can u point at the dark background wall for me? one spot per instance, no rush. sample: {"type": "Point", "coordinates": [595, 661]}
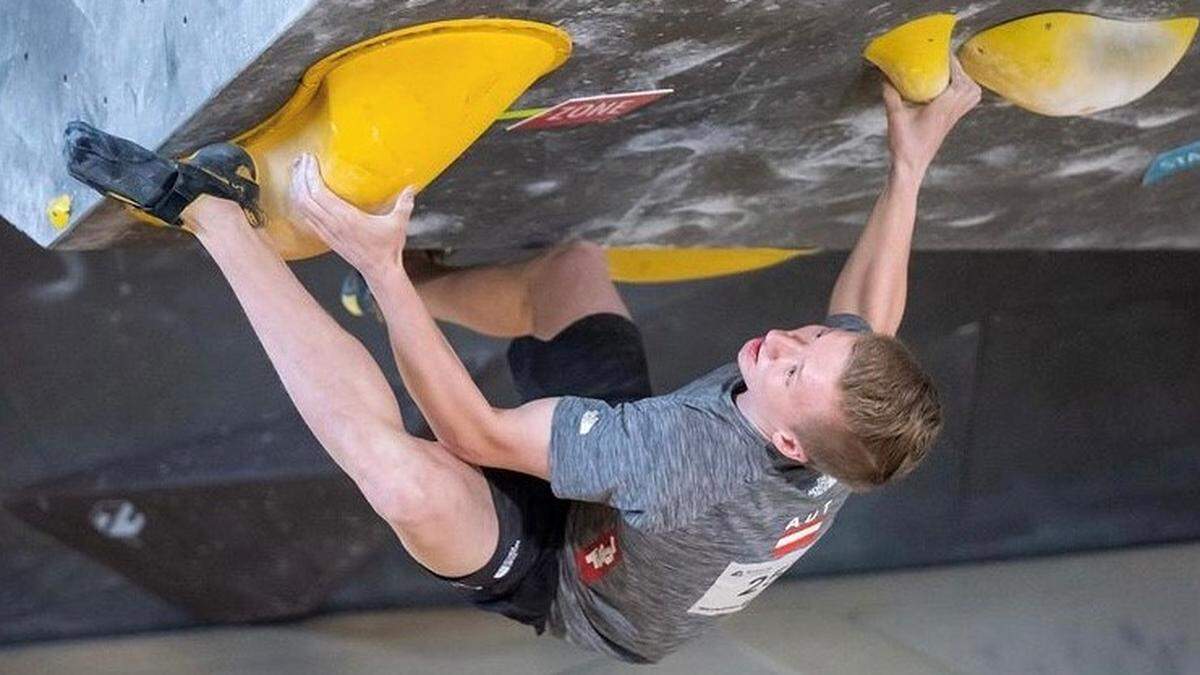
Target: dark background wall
{"type": "Point", "coordinates": [1071, 382]}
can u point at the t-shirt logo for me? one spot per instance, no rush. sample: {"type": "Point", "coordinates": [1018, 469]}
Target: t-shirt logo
{"type": "Point", "coordinates": [799, 534]}
{"type": "Point", "coordinates": [509, 559]}
{"type": "Point", "coordinates": [820, 486]}
{"type": "Point", "coordinates": [587, 421]}
{"type": "Point", "coordinates": [597, 558]}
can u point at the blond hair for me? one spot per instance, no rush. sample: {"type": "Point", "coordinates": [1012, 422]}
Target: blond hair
{"type": "Point", "coordinates": [890, 413]}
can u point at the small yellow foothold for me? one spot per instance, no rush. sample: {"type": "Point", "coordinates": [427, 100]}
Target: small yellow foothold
{"type": "Point", "coordinates": [915, 56]}
{"type": "Point", "coordinates": [350, 302]}
{"type": "Point", "coordinates": [59, 211]}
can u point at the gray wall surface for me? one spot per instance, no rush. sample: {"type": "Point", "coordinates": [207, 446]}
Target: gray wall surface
{"type": "Point", "coordinates": [137, 68]}
{"type": "Point", "coordinates": [774, 136]}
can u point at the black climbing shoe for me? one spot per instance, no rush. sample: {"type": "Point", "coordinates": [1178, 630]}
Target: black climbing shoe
{"type": "Point", "coordinates": [161, 187]}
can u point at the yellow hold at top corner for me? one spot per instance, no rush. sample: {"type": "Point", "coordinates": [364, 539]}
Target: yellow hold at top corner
{"type": "Point", "coordinates": [1068, 63]}
{"type": "Point", "coordinates": [396, 110]}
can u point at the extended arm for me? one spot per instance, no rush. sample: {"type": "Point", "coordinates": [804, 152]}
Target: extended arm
{"type": "Point", "coordinates": [456, 410]}
{"type": "Point", "coordinates": [874, 282]}
{"type": "Point", "coordinates": [464, 421]}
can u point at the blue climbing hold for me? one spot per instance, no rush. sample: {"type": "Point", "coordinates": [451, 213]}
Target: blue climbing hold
{"type": "Point", "coordinates": [1173, 162]}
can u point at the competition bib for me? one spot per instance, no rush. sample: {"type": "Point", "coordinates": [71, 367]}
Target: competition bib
{"type": "Point", "coordinates": [740, 583]}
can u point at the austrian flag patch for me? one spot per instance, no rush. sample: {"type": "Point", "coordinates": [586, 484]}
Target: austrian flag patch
{"type": "Point", "coordinates": [797, 536]}
{"type": "Point", "coordinates": [597, 558]}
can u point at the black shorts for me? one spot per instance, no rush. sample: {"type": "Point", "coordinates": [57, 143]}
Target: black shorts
{"type": "Point", "coordinates": [599, 356]}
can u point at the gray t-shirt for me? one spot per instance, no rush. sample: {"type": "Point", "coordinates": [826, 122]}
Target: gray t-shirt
{"type": "Point", "coordinates": [684, 513]}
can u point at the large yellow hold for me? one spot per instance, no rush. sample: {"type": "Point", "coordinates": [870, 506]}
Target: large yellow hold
{"type": "Point", "coordinates": [1064, 63]}
{"type": "Point", "coordinates": [395, 111]}
{"type": "Point", "coordinates": [644, 265]}
{"type": "Point", "coordinates": [915, 56]}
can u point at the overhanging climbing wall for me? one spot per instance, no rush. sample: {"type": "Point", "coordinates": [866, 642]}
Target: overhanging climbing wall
{"type": "Point", "coordinates": [773, 137]}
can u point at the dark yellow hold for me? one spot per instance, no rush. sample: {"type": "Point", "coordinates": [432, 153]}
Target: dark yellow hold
{"type": "Point", "coordinates": [915, 56]}
{"type": "Point", "coordinates": [396, 110]}
{"type": "Point", "coordinates": [645, 265]}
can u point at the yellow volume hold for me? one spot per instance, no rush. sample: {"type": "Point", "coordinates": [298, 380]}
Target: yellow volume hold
{"type": "Point", "coordinates": [915, 56]}
{"type": "Point", "coordinates": [644, 265]}
{"type": "Point", "coordinates": [1066, 63]}
{"type": "Point", "coordinates": [396, 110]}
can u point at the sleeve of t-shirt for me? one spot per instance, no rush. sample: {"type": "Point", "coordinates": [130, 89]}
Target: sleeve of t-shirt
{"type": "Point", "coordinates": [851, 322]}
{"type": "Point", "coordinates": [659, 464]}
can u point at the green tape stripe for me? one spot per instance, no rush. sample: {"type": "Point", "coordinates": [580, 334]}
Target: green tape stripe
{"type": "Point", "coordinates": [520, 114]}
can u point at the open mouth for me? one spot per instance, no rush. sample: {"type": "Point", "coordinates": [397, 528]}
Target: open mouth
{"type": "Point", "coordinates": [753, 347]}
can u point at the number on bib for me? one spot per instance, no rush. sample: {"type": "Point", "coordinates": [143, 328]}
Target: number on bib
{"type": "Point", "coordinates": [739, 584]}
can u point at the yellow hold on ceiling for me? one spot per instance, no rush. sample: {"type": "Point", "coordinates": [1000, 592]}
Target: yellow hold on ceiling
{"type": "Point", "coordinates": [396, 110]}
{"type": "Point", "coordinates": [915, 56]}
{"type": "Point", "coordinates": [638, 265]}
{"type": "Point", "coordinates": [1066, 63]}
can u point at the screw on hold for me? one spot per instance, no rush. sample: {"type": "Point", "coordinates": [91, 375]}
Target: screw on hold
{"type": "Point", "coordinates": [59, 211]}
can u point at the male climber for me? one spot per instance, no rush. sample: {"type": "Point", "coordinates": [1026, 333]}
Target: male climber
{"type": "Point", "coordinates": [625, 522]}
